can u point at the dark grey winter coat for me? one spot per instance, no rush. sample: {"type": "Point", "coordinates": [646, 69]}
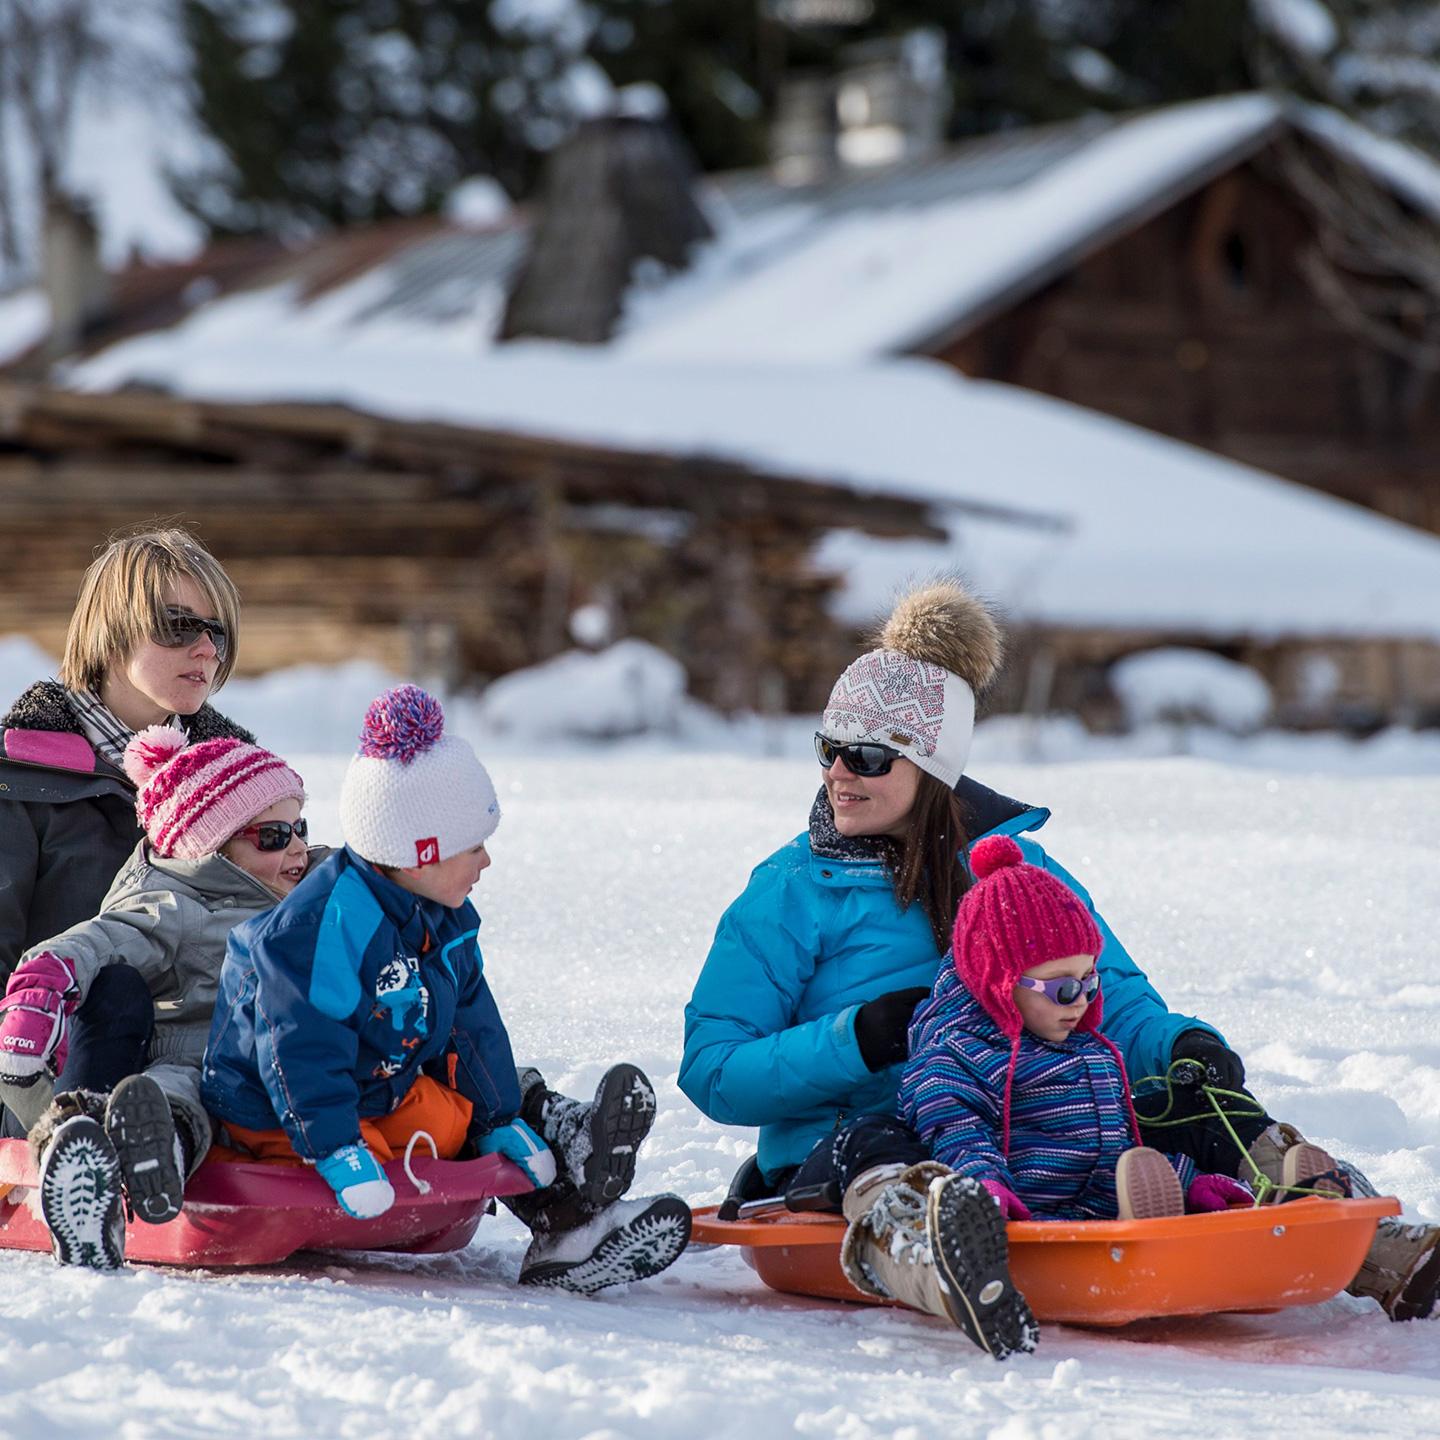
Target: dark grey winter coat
{"type": "Point", "coordinates": [64, 831]}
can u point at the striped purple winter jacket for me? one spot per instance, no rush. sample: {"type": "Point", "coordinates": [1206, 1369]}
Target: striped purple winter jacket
{"type": "Point", "coordinates": [1069, 1119]}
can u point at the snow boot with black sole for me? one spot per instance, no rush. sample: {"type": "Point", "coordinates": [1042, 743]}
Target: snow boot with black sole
{"type": "Point", "coordinates": [596, 1140]}
{"type": "Point", "coordinates": [141, 1126]}
{"type": "Point", "coordinates": [80, 1195]}
{"type": "Point", "coordinates": [972, 1262]}
{"type": "Point", "coordinates": [631, 1240]}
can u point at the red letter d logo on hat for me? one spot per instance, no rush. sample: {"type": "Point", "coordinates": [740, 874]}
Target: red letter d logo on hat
{"type": "Point", "coordinates": [427, 852]}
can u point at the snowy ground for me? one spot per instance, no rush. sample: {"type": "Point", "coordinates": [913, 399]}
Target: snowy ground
{"type": "Point", "coordinates": [1297, 913]}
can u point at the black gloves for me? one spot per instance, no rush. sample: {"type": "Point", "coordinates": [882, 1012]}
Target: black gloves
{"type": "Point", "coordinates": [881, 1025]}
{"type": "Point", "coordinates": [1223, 1068]}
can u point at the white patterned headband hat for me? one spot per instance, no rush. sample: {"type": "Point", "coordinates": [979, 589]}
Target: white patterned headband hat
{"type": "Point", "coordinates": [414, 796]}
{"type": "Point", "coordinates": [916, 693]}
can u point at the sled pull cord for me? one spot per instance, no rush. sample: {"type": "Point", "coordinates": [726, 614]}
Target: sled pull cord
{"type": "Point", "coordinates": [422, 1186]}
{"type": "Point", "coordinates": [1258, 1181]}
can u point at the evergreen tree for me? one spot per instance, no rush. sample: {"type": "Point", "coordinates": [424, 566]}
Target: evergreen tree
{"type": "Point", "coordinates": [328, 111]}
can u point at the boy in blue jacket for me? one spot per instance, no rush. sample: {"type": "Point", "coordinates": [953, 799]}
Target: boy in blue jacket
{"type": "Point", "coordinates": [357, 1013]}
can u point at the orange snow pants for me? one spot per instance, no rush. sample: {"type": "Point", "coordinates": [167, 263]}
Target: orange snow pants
{"type": "Point", "coordinates": [441, 1112]}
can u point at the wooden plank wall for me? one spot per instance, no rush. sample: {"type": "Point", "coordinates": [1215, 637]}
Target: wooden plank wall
{"type": "Point", "coordinates": [436, 551]}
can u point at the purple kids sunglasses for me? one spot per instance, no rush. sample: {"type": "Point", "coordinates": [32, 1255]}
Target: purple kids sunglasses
{"type": "Point", "coordinates": [1066, 990]}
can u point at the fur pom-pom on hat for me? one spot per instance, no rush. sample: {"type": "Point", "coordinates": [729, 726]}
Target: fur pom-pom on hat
{"type": "Point", "coordinates": [413, 795]}
{"type": "Point", "coordinates": [191, 799]}
{"type": "Point", "coordinates": [916, 693]}
{"type": "Point", "coordinates": [945, 625]}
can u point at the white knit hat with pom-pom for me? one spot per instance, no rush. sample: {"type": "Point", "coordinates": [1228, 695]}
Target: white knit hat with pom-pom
{"type": "Point", "coordinates": [414, 795]}
{"type": "Point", "coordinates": [192, 798]}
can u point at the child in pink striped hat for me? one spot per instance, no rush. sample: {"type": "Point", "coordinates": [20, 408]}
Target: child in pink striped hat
{"type": "Point", "coordinates": [224, 840]}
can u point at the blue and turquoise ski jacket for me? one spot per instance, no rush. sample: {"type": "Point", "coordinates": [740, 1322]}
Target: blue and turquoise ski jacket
{"type": "Point", "coordinates": [332, 1004]}
{"type": "Point", "coordinates": [770, 1027]}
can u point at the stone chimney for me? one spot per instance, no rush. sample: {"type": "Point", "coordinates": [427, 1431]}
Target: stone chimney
{"type": "Point", "coordinates": [617, 194]}
{"type": "Point", "coordinates": [75, 282]}
{"type": "Point", "coordinates": [892, 99]}
{"type": "Point", "coordinates": [805, 130]}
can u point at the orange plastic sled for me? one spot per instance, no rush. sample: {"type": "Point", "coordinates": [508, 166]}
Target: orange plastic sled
{"type": "Point", "coordinates": [1108, 1272]}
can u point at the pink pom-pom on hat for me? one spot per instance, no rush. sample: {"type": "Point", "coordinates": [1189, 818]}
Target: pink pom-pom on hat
{"type": "Point", "coordinates": [191, 799]}
{"type": "Point", "coordinates": [152, 747]}
{"type": "Point", "coordinates": [993, 853]}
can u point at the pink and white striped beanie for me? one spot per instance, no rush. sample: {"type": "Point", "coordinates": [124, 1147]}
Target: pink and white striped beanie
{"type": "Point", "coordinates": [193, 798]}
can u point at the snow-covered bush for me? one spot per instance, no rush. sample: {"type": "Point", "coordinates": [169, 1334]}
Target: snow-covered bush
{"type": "Point", "coordinates": [631, 688]}
{"type": "Point", "coordinates": [1183, 686]}
{"type": "Point", "coordinates": [22, 663]}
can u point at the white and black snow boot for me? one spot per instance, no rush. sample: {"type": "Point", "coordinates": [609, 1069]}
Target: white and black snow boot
{"type": "Point", "coordinates": [631, 1240]}
{"type": "Point", "coordinates": [972, 1263]}
{"type": "Point", "coordinates": [596, 1141]}
{"type": "Point", "coordinates": [935, 1242]}
{"type": "Point", "coordinates": [80, 1195]}
{"type": "Point", "coordinates": [141, 1126]}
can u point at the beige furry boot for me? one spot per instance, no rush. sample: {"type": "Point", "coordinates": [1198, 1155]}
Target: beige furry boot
{"type": "Point", "coordinates": [935, 1242]}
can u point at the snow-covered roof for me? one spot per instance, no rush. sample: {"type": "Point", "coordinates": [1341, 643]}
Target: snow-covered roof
{"type": "Point", "coordinates": [1124, 528]}
{"type": "Point", "coordinates": [884, 279]}
{"type": "Point", "coordinates": [861, 264]}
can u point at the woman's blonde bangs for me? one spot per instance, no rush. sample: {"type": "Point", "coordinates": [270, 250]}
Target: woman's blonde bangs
{"type": "Point", "coordinates": [122, 602]}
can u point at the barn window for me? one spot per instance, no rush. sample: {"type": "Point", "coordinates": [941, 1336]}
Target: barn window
{"type": "Point", "coordinates": [1235, 261]}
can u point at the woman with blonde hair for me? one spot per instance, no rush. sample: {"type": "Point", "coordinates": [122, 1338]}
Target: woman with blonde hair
{"type": "Point", "coordinates": [153, 634]}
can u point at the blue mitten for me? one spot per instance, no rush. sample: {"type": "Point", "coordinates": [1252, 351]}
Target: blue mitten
{"type": "Point", "coordinates": [518, 1143]}
{"type": "Point", "coordinates": [359, 1183]}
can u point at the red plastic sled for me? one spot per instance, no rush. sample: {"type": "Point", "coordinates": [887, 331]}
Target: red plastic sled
{"type": "Point", "coordinates": [1109, 1272]}
{"type": "Point", "coordinates": [261, 1214]}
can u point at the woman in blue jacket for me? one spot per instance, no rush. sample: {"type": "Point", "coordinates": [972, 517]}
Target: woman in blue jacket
{"type": "Point", "coordinates": [798, 1020]}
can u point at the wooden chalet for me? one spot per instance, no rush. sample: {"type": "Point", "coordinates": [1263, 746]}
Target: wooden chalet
{"type": "Point", "coordinates": [1203, 322]}
{"type": "Point", "coordinates": [1160, 268]}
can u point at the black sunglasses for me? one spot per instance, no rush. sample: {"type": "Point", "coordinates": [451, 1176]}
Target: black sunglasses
{"type": "Point", "coordinates": [183, 628]}
{"type": "Point", "coordinates": [865, 761]}
{"type": "Point", "coordinates": [275, 834]}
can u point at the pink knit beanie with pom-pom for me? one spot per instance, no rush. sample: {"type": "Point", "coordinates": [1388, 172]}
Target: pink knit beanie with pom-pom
{"type": "Point", "coordinates": [414, 795]}
{"type": "Point", "coordinates": [1013, 917]}
{"type": "Point", "coordinates": [192, 798]}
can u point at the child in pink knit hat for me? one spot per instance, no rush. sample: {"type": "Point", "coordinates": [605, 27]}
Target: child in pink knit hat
{"type": "Point", "coordinates": [1010, 1079]}
{"type": "Point", "coordinates": [224, 840]}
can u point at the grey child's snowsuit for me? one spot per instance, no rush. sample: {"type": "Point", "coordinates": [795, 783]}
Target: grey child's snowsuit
{"type": "Point", "coordinates": [168, 919]}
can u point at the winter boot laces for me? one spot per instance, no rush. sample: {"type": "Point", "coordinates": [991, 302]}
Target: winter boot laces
{"type": "Point", "coordinates": [1284, 1156]}
{"type": "Point", "coordinates": [936, 1242]}
{"type": "Point", "coordinates": [142, 1129]}
{"type": "Point", "coordinates": [631, 1240]}
{"type": "Point", "coordinates": [597, 1141]}
{"type": "Point", "coordinates": [80, 1195]}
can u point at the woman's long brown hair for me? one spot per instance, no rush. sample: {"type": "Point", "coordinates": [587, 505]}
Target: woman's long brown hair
{"type": "Point", "coordinates": [925, 866]}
